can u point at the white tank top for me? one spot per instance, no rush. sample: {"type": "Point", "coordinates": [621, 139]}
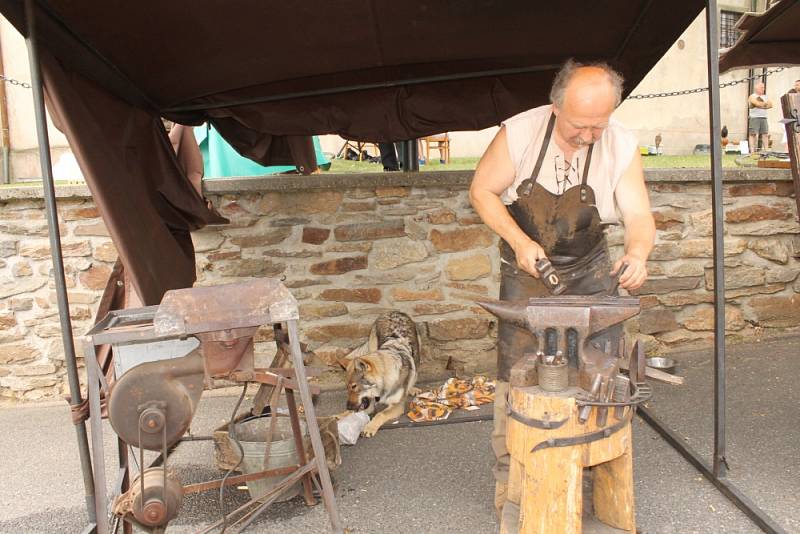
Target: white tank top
{"type": "Point", "coordinates": [611, 157]}
{"type": "Point", "coordinates": [758, 112]}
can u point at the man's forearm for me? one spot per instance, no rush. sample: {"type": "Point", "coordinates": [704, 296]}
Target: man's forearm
{"type": "Point", "coordinates": [640, 235]}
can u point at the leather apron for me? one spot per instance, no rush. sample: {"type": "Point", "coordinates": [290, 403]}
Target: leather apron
{"type": "Point", "coordinates": [569, 229]}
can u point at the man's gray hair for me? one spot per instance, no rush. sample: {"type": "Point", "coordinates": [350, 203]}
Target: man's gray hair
{"type": "Point", "coordinates": [564, 76]}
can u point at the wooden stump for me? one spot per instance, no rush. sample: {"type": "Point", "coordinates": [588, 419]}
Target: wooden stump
{"type": "Point", "coordinates": [547, 482]}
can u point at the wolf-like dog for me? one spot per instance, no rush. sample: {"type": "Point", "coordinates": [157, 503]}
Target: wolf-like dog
{"type": "Point", "coordinates": [382, 372]}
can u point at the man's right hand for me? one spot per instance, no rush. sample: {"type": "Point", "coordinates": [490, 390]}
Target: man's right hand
{"type": "Point", "coordinates": [528, 254]}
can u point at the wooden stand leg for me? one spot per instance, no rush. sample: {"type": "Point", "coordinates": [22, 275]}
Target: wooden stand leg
{"type": "Point", "coordinates": [516, 472]}
{"type": "Point", "coordinates": [613, 491]}
{"type": "Point", "coordinates": [553, 492]}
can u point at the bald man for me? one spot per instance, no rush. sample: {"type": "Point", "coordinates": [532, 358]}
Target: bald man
{"type": "Point", "coordinates": [757, 126]}
{"type": "Point", "coordinates": [550, 182]}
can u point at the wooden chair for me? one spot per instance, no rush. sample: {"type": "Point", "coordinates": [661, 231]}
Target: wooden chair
{"type": "Point", "coordinates": [360, 148]}
{"type": "Point", "coordinates": [440, 142]}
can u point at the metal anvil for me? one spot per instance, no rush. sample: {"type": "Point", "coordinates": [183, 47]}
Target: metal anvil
{"type": "Point", "coordinates": [576, 320]}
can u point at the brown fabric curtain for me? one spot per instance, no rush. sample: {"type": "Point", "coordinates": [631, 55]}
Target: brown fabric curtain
{"type": "Point", "coordinates": [144, 197]}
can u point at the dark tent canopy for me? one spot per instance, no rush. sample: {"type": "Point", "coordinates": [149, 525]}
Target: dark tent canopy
{"type": "Point", "coordinates": [769, 38]}
{"type": "Point", "coordinates": [268, 73]}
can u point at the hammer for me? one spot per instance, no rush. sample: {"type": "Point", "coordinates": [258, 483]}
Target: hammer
{"type": "Point", "coordinates": [550, 277]}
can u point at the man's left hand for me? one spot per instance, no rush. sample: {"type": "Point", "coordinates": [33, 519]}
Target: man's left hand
{"type": "Point", "coordinates": [635, 274]}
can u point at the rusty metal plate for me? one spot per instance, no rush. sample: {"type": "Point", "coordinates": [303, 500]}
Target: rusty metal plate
{"type": "Point", "coordinates": [205, 309]}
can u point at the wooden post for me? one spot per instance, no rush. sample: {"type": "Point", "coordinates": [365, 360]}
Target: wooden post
{"type": "Point", "coordinates": [550, 477]}
{"type": "Point", "coordinates": [790, 103]}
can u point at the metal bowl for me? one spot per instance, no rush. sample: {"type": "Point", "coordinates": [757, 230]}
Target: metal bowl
{"type": "Point", "coordinates": [661, 363]}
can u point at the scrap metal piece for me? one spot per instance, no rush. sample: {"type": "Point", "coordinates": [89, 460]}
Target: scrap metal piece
{"type": "Point", "coordinates": [205, 309]}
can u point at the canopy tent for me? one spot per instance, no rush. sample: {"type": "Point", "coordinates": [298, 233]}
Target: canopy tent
{"type": "Point", "coordinates": [769, 38]}
{"type": "Point", "coordinates": [266, 73]}
{"type": "Point", "coordinates": [365, 69]}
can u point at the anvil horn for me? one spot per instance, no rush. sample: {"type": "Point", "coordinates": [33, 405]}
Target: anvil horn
{"type": "Point", "coordinates": [512, 311]}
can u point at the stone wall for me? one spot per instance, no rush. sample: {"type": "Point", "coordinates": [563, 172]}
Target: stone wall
{"type": "Point", "coordinates": [351, 247]}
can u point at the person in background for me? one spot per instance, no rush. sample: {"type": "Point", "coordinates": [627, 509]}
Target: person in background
{"type": "Point", "coordinates": [757, 126]}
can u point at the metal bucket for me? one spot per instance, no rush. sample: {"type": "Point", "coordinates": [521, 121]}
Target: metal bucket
{"type": "Point", "coordinates": [252, 436]}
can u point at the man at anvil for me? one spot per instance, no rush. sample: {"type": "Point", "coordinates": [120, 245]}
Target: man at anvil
{"type": "Point", "coordinates": [550, 181]}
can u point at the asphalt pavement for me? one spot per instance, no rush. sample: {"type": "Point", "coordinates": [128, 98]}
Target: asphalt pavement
{"type": "Point", "coordinates": [438, 479]}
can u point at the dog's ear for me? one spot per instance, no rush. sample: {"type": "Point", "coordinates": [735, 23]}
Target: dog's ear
{"type": "Point", "coordinates": [344, 361]}
{"type": "Point", "coordinates": [363, 365]}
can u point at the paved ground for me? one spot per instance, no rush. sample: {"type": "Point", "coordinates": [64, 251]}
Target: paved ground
{"type": "Point", "coordinates": [437, 479]}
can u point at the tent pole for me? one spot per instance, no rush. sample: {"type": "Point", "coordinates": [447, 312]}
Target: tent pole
{"type": "Point", "coordinates": [716, 473]}
{"type": "Point", "coordinates": [55, 250]}
{"type": "Point", "coordinates": [719, 464]}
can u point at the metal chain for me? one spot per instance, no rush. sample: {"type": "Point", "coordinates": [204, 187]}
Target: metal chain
{"type": "Point", "coordinates": [12, 81]}
{"type": "Point", "coordinates": [702, 89]}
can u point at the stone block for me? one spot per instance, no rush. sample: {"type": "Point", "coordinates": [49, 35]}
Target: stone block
{"type": "Point", "coordinates": [682, 298]}
{"type": "Point", "coordinates": [702, 222]}
{"type": "Point", "coordinates": [441, 216]}
{"type": "Point", "coordinates": [315, 236]}
{"type": "Point", "coordinates": [83, 212]}
{"type": "Point", "coordinates": [703, 319]}
{"type": "Point", "coordinates": [665, 251]}
{"type": "Point", "coordinates": [370, 231]}
{"type": "Point", "coordinates": [436, 308]}
{"type": "Point", "coordinates": [656, 286]}
{"type": "Point", "coordinates": [772, 249]}
{"type": "Point", "coordinates": [760, 189]}
{"type": "Point", "coordinates": [358, 206]}
{"type": "Point", "coordinates": [469, 219]}
{"type": "Point", "coordinates": [667, 219]}
{"type": "Point", "coordinates": [782, 275]}
{"type": "Point", "coordinates": [207, 240]}
{"type": "Point", "coordinates": [8, 248]}
{"type": "Point", "coordinates": [21, 304]}
{"type": "Point", "coordinates": [21, 268]}
{"type": "Point", "coordinates": [738, 277]}
{"type": "Point", "coordinates": [250, 267]}
{"type": "Point", "coordinates": [328, 333]}
{"type": "Point", "coordinates": [404, 294]}
{"type": "Point", "coordinates": [393, 253]}
{"type": "Point", "coordinates": [7, 320]}
{"type": "Point", "coordinates": [96, 277]}
{"type": "Point", "coordinates": [388, 192]}
{"type": "Point", "coordinates": [10, 288]}
{"type": "Point", "coordinates": [350, 246]}
{"type": "Point", "coordinates": [289, 221]}
{"type": "Point", "coordinates": [224, 255]}
{"type": "Point", "coordinates": [655, 320]}
{"type": "Point", "coordinates": [303, 202]}
{"type": "Point", "coordinates": [105, 252]}
{"type": "Point", "coordinates": [92, 229]}
{"type": "Point", "coordinates": [18, 353]}
{"type": "Point", "coordinates": [321, 311]}
{"type": "Point", "coordinates": [339, 265]}
{"type": "Point", "coordinates": [758, 212]}
{"type": "Point", "coordinates": [731, 294]}
{"type": "Point", "coordinates": [455, 329]}
{"type": "Point", "coordinates": [760, 228]}
{"type": "Point", "coordinates": [369, 295]}
{"type": "Point", "coordinates": [469, 268]}
{"type": "Point", "coordinates": [262, 238]}
{"type": "Point", "coordinates": [461, 239]}
{"type": "Point", "coordinates": [704, 248]}
{"type": "Point", "coordinates": [776, 311]}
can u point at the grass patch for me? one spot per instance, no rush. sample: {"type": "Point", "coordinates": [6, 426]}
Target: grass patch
{"type": "Point", "coordinates": [468, 164]}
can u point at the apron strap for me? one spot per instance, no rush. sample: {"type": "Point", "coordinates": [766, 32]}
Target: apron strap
{"type": "Point", "coordinates": [585, 177]}
{"type": "Point", "coordinates": [545, 143]}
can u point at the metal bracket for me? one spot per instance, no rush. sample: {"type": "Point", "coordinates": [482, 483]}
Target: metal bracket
{"type": "Point", "coordinates": [584, 438]}
{"type": "Point", "coordinates": [530, 421]}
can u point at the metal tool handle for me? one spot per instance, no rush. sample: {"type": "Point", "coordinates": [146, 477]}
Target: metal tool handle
{"type": "Point", "coordinates": [617, 276]}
